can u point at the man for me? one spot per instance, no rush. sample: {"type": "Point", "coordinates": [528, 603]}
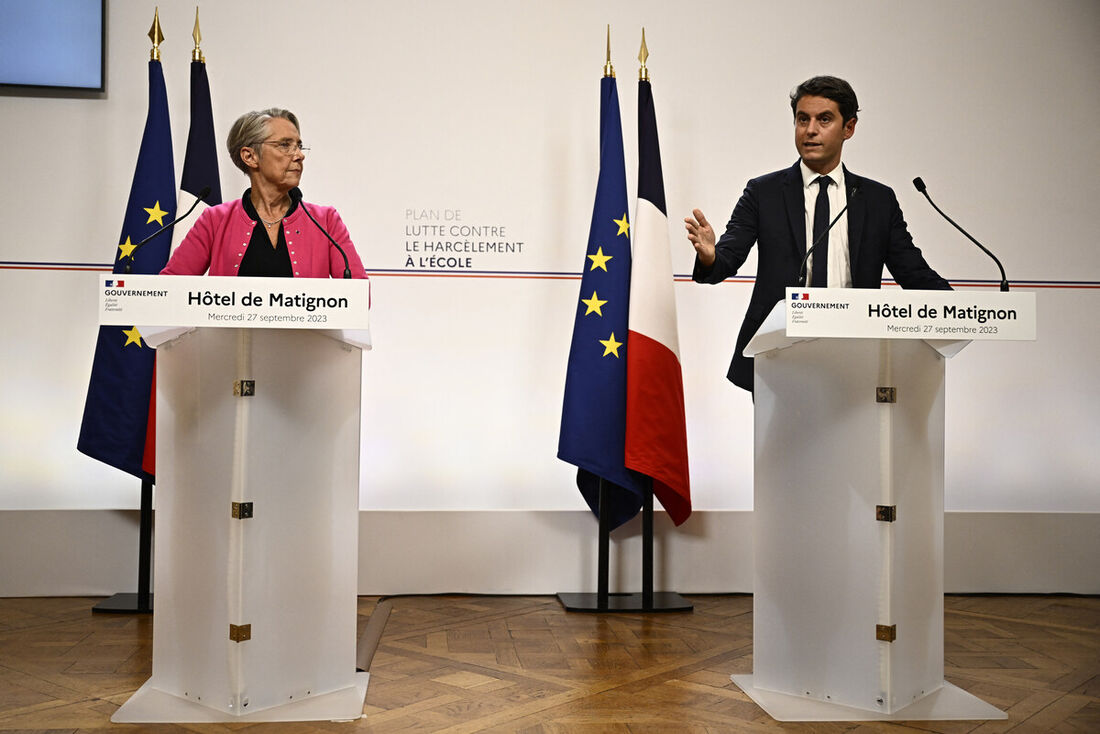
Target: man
{"type": "Point", "coordinates": [785, 210]}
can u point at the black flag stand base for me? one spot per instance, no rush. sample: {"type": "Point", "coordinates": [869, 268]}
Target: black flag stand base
{"type": "Point", "coordinates": [648, 600]}
{"type": "Point", "coordinates": [142, 601]}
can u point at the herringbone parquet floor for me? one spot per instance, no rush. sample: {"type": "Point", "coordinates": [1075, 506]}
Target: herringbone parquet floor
{"type": "Point", "coordinates": [522, 664]}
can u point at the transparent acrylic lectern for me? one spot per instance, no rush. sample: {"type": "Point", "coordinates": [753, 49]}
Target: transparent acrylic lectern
{"type": "Point", "coordinates": [257, 503]}
{"type": "Point", "coordinates": [848, 530]}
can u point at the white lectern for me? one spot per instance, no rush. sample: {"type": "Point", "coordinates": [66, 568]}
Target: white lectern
{"type": "Point", "coordinates": [848, 528]}
{"type": "Point", "coordinates": [256, 526]}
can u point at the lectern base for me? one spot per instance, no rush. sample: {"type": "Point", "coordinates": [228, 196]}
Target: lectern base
{"type": "Point", "coordinates": [152, 706]}
{"type": "Point", "coordinates": [949, 703]}
{"type": "Point", "coordinates": [663, 601]}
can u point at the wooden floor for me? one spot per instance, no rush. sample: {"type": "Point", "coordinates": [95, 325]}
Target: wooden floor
{"type": "Point", "coordinates": [522, 664]}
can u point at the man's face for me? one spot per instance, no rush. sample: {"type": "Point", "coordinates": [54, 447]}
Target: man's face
{"type": "Point", "coordinates": [820, 132]}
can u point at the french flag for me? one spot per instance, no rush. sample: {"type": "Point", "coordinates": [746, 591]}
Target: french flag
{"type": "Point", "coordinates": [200, 164]}
{"type": "Point", "coordinates": [656, 432]}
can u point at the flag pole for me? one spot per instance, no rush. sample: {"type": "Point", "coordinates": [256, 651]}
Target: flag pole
{"type": "Point", "coordinates": [603, 562]}
{"type": "Point", "coordinates": [142, 601]}
{"type": "Point", "coordinates": [647, 500]}
{"type": "Point", "coordinates": [647, 546]}
{"type": "Point", "coordinates": [156, 36]}
{"type": "Point", "coordinates": [646, 602]}
{"type": "Point", "coordinates": [196, 53]}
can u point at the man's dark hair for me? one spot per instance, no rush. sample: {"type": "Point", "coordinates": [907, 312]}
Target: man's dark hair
{"type": "Point", "coordinates": [829, 87]}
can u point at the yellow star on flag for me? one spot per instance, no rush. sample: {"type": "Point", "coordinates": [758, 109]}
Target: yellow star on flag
{"type": "Point", "coordinates": [610, 345]}
{"type": "Point", "coordinates": [133, 336]}
{"type": "Point", "coordinates": [156, 214]}
{"type": "Point", "coordinates": [126, 249]}
{"type": "Point", "coordinates": [599, 260]}
{"type": "Point", "coordinates": [624, 226]}
{"type": "Point", "coordinates": [593, 304]}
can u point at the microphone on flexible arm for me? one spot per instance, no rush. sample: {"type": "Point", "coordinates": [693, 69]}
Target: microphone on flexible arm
{"type": "Point", "coordinates": [809, 251]}
{"type": "Point", "coordinates": [296, 198]}
{"type": "Point", "coordinates": [202, 195]}
{"type": "Point", "coordinates": [923, 189]}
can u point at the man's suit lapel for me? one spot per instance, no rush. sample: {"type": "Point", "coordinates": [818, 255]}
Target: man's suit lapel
{"type": "Point", "coordinates": [795, 201]}
{"type": "Point", "coordinates": [857, 214]}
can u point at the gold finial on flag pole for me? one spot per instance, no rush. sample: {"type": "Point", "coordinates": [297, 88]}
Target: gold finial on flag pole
{"type": "Point", "coordinates": [197, 55]}
{"type": "Point", "coordinates": [643, 54]}
{"type": "Point", "coordinates": [156, 36]}
{"type": "Point", "coordinates": [608, 69]}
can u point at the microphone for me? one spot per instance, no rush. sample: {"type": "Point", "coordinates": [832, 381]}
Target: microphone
{"type": "Point", "coordinates": [923, 189]}
{"type": "Point", "coordinates": [823, 235]}
{"type": "Point", "coordinates": [202, 195]}
{"type": "Point", "coordinates": [296, 197]}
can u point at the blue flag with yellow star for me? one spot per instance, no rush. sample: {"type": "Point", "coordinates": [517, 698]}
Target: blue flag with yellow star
{"type": "Point", "coordinates": [593, 420]}
{"type": "Point", "coordinates": [116, 412]}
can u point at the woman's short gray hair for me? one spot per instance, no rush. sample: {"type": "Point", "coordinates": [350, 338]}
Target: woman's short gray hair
{"type": "Point", "coordinates": [250, 130]}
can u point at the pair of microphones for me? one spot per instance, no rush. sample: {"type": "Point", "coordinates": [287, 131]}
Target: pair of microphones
{"type": "Point", "coordinates": [295, 198]}
{"type": "Point", "coordinates": [919, 184]}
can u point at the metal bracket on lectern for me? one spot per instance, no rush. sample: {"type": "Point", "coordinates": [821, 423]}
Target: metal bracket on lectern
{"type": "Point", "coordinates": [886, 632]}
{"type": "Point", "coordinates": [886, 513]}
{"type": "Point", "coordinates": [886, 394]}
{"type": "Point", "coordinates": [240, 632]}
{"type": "Point", "coordinates": [244, 388]}
{"type": "Point", "coordinates": [242, 510]}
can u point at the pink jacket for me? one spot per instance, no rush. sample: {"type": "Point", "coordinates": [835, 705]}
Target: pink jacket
{"type": "Point", "coordinates": [220, 236]}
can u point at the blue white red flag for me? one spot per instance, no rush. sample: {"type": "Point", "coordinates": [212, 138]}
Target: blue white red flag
{"type": "Point", "coordinates": [200, 162]}
{"type": "Point", "coordinates": [656, 431]}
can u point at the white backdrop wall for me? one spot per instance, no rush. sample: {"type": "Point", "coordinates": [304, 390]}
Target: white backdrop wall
{"type": "Point", "coordinates": [484, 114]}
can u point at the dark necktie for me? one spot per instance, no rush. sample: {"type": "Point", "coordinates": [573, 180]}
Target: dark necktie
{"type": "Point", "coordinates": [819, 276]}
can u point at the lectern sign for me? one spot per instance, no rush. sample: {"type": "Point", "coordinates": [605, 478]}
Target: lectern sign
{"type": "Point", "coordinates": [905, 314]}
{"type": "Point", "coordinates": [275, 303]}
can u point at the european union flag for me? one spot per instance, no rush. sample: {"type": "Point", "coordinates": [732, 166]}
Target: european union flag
{"type": "Point", "coordinates": [593, 421]}
{"type": "Point", "coordinates": [116, 412]}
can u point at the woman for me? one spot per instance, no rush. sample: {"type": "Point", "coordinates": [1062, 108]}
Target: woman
{"type": "Point", "coordinates": [266, 232]}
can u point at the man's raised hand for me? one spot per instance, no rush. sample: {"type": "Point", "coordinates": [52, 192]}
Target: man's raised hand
{"type": "Point", "coordinates": [701, 235]}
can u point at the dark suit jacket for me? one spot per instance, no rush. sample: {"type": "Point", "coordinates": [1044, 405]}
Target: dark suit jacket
{"type": "Point", "coordinates": [772, 212]}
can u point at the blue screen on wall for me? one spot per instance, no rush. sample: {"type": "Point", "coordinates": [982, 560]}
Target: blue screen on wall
{"type": "Point", "coordinates": [52, 43]}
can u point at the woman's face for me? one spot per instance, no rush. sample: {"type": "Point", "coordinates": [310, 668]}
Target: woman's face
{"type": "Point", "coordinates": [280, 165]}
